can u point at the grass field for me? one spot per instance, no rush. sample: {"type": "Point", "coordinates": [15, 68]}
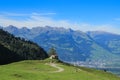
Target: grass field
{"type": "Point", "coordinates": [38, 70]}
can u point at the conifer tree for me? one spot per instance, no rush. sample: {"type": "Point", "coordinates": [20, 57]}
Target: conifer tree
{"type": "Point", "coordinates": [52, 51]}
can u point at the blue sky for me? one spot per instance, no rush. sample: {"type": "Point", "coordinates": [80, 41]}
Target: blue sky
{"type": "Point", "coordinates": [76, 14]}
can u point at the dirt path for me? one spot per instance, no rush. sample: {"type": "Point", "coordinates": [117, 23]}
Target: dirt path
{"type": "Point", "coordinates": [55, 66]}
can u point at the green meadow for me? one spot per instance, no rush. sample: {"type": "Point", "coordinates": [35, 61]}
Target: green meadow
{"type": "Point", "coordinates": [42, 70]}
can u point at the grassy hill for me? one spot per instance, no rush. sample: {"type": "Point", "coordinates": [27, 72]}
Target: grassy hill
{"type": "Point", "coordinates": [42, 70]}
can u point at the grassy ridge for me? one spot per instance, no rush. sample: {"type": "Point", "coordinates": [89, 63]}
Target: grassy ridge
{"type": "Point", "coordinates": [37, 70]}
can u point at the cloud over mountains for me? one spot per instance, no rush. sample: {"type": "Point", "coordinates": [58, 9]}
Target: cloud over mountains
{"type": "Point", "coordinates": [45, 19]}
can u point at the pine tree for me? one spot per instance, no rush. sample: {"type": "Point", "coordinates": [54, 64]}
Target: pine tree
{"type": "Point", "coordinates": [52, 51]}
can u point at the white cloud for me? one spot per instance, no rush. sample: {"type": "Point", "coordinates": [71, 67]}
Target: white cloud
{"type": "Point", "coordinates": [30, 14]}
{"type": "Point", "coordinates": [104, 27]}
{"type": "Point", "coordinates": [40, 19]}
{"type": "Point", "coordinates": [33, 20]}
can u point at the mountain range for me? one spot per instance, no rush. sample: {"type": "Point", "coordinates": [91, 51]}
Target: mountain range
{"type": "Point", "coordinates": [92, 48]}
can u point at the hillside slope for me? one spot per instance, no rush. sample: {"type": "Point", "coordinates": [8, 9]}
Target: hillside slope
{"type": "Point", "coordinates": [38, 70]}
{"type": "Point", "coordinates": [7, 56]}
{"type": "Point", "coordinates": [20, 47]}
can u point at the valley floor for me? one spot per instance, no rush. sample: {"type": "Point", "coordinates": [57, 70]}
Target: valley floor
{"type": "Point", "coordinates": [43, 70]}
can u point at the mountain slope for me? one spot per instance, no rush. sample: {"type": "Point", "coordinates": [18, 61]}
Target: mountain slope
{"type": "Point", "coordinates": [71, 46]}
{"type": "Point", "coordinates": [108, 41]}
{"type": "Point", "coordinates": [19, 46]}
{"type": "Point", "coordinates": [7, 56]}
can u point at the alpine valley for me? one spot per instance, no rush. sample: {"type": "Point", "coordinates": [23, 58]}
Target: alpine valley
{"type": "Point", "coordinates": [93, 48]}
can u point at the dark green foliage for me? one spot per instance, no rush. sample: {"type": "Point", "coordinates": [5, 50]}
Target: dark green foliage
{"type": "Point", "coordinates": [20, 47]}
{"type": "Point", "coordinates": [7, 56]}
{"type": "Point", "coordinates": [52, 51]}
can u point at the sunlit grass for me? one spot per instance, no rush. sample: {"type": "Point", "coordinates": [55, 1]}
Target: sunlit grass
{"type": "Point", "coordinates": [37, 70]}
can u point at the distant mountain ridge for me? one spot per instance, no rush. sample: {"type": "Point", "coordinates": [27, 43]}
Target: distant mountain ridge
{"type": "Point", "coordinates": [71, 45]}
{"type": "Point", "coordinates": [109, 41]}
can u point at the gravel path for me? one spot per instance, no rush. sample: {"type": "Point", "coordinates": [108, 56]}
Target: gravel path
{"type": "Point", "coordinates": [55, 66]}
